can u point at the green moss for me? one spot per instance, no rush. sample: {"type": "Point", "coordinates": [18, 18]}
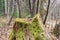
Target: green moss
{"type": "Point", "coordinates": [21, 21]}
{"type": "Point", "coordinates": [33, 27]}
{"type": "Point", "coordinates": [11, 35]}
{"type": "Point", "coordinates": [40, 37]}
{"type": "Point", "coordinates": [20, 35]}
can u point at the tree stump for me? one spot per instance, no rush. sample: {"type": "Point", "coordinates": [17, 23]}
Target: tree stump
{"type": "Point", "coordinates": [26, 30]}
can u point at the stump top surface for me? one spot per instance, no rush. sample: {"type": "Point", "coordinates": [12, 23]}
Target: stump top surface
{"type": "Point", "coordinates": [26, 20]}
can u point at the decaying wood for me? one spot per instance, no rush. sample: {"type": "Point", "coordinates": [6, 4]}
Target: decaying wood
{"type": "Point", "coordinates": [24, 26]}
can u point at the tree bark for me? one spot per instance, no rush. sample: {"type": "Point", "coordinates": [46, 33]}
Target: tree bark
{"type": "Point", "coordinates": [47, 12]}
{"type": "Point", "coordinates": [18, 3]}
{"type": "Point", "coordinates": [33, 7]}
{"type": "Point", "coordinates": [11, 12]}
{"type": "Point", "coordinates": [5, 7]}
{"type": "Point", "coordinates": [30, 7]}
{"type": "Point", "coordinates": [37, 6]}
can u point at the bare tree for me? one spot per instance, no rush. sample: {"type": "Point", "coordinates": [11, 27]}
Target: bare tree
{"type": "Point", "coordinates": [13, 5]}
{"type": "Point", "coordinates": [37, 6]}
{"type": "Point", "coordinates": [18, 3]}
{"type": "Point", "coordinates": [47, 12]}
{"type": "Point", "coordinates": [5, 2]}
{"type": "Point", "coordinates": [33, 7]}
{"type": "Point", "coordinates": [30, 7]}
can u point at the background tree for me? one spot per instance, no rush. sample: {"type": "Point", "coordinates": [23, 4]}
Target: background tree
{"type": "Point", "coordinates": [47, 12]}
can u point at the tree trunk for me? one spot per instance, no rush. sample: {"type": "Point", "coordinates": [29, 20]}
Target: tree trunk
{"type": "Point", "coordinates": [37, 6]}
{"type": "Point", "coordinates": [47, 12]}
{"type": "Point", "coordinates": [5, 1]}
{"type": "Point", "coordinates": [13, 10]}
{"type": "Point", "coordinates": [18, 3]}
{"type": "Point", "coordinates": [30, 7]}
{"type": "Point", "coordinates": [33, 7]}
{"type": "Point", "coordinates": [8, 8]}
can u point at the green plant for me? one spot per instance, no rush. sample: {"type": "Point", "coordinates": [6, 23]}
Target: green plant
{"type": "Point", "coordinates": [56, 32]}
{"type": "Point", "coordinates": [15, 14]}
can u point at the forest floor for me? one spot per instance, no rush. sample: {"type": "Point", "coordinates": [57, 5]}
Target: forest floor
{"type": "Point", "coordinates": [50, 25]}
{"type": "Point", "coordinates": [4, 32]}
{"type": "Point", "coordinates": [4, 29]}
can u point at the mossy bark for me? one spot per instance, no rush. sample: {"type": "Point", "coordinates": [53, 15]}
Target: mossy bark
{"type": "Point", "coordinates": [27, 30]}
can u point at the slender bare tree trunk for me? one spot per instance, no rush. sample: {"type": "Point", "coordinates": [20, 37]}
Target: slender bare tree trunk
{"type": "Point", "coordinates": [41, 6]}
{"type": "Point", "coordinates": [3, 7]}
{"type": "Point", "coordinates": [5, 2]}
{"type": "Point", "coordinates": [37, 6]}
{"type": "Point", "coordinates": [18, 3]}
{"type": "Point", "coordinates": [8, 8]}
{"type": "Point", "coordinates": [12, 5]}
{"type": "Point", "coordinates": [47, 12]}
{"type": "Point", "coordinates": [33, 7]}
{"type": "Point", "coordinates": [30, 8]}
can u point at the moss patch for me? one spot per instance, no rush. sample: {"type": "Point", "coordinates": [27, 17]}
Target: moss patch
{"type": "Point", "coordinates": [23, 28]}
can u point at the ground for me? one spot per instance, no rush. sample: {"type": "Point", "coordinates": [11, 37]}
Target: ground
{"type": "Point", "coordinates": [4, 29]}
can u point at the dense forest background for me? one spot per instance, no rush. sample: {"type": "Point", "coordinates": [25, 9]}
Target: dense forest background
{"type": "Point", "coordinates": [22, 8]}
{"type": "Point", "coordinates": [8, 7]}
{"type": "Point", "coordinates": [49, 11]}
{"type": "Point", "coordinates": [28, 8]}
